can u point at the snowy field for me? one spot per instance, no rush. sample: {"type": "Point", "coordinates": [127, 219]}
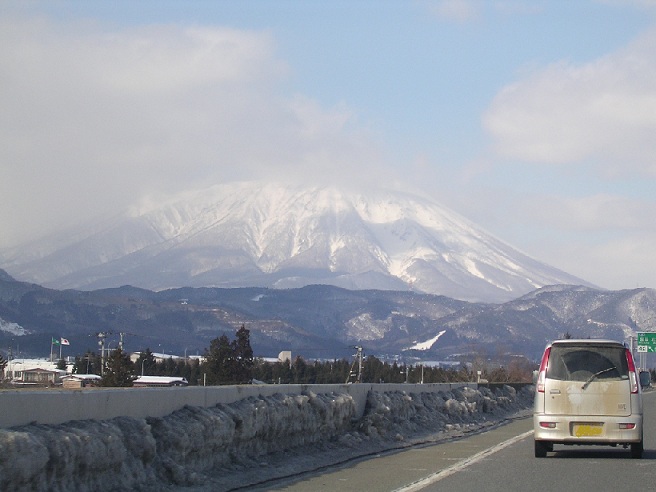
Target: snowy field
{"type": "Point", "coordinates": [245, 443]}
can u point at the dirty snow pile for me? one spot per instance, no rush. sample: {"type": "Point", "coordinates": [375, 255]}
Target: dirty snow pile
{"type": "Point", "coordinates": [244, 443]}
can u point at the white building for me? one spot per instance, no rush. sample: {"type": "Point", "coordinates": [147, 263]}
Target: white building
{"type": "Point", "coordinates": [159, 381]}
{"type": "Point", "coordinates": [32, 372]}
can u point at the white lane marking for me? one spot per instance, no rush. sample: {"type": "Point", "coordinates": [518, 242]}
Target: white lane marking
{"type": "Point", "coordinates": [437, 476]}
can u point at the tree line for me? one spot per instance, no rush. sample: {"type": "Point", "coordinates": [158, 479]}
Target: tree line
{"type": "Point", "coordinates": [232, 362]}
{"type": "Point", "coordinates": [225, 362]}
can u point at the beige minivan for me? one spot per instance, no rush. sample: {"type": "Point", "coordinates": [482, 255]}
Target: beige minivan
{"type": "Point", "coordinates": [587, 393]}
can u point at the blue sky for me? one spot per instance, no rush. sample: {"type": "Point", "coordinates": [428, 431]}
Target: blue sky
{"type": "Point", "coordinates": [534, 119]}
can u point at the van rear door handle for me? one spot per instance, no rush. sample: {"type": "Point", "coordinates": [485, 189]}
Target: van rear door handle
{"type": "Point", "coordinates": [554, 392]}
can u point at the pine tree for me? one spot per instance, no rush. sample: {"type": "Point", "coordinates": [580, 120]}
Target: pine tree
{"type": "Point", "coordinates": [281, 372]}
{"type": "Point", "coordinates": [90, 363]}
{"type": "Point", "coordinates": [373, 370]}
{"type": "Point", "coordinates": [146, 363]}
{"type": "Point", "coordinates": [299, 369]}
{"type": "Point", "coordinates": [243, 357]}
{"type": "Point", "coordinates": [119, 371]}
{"type": "Point", "coordinates": [192, 372]}
{"type": "Point", "coordinates": [168, 367]}
{"type": "Point", "coordinates": [230, 362]}
{"type": "Point", "coordinates": [219, 361]}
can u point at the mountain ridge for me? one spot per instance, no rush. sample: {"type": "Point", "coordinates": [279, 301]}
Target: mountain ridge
{"type": "Point", "coordinates": [318, 321]}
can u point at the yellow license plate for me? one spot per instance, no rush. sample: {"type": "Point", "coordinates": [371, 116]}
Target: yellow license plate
{"type": "Point", "coordinates": [588, 430]}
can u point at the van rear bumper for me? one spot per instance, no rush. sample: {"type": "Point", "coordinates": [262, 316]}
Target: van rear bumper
{"type": "Point", "coordinates": [578, 429]}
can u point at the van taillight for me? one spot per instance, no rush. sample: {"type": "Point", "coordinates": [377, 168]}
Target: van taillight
{"type": "Point", "coordinates": [543, 370]}
{"type": "Point", "coordinates": [633, 376]}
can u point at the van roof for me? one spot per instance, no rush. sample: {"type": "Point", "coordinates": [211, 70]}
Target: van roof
{"type": "Point", "coordinates": [586, 340]}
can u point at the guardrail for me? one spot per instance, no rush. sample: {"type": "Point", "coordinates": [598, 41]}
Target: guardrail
{"type": "Point", "coordinates": [56, 406]}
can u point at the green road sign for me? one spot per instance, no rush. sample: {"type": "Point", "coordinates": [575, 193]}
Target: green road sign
{"type": "Point", "coordinates": [646, 342]}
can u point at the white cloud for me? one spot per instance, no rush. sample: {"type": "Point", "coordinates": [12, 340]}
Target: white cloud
{"type": "Point", "coordinates": [456, 10]}
{"type": "Point", "coordinates": [599, 212]}
{"type": "Point", "coordinates": [92, 118]}
{"type": "Point", "coordinates": [621, 262]}
{"type": "Point", "coordinates": [602, 112]}
{"type": "Point", "coordinates": [466, 11]}
{"type": "Point", "coordinates": [644, 4]}
{"type": "Point", "coordinates": [593, 123]}
{"type": "Point", "coordinates": [603, 238]}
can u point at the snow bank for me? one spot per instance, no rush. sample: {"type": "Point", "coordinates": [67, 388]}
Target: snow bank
{"type": "Point", "coordinates": [247, 442]}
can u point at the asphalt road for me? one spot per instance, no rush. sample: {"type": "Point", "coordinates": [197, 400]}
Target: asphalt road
{"type": "Point", "coordinates": [498, 460]}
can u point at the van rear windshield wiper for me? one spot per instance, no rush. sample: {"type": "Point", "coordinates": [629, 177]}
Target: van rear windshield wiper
{"type": "Point", "coordinates": [594, 376]}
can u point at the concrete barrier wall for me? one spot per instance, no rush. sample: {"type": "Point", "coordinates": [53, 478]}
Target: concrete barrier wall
{"type": "Point", "coordinates": [56, 406]}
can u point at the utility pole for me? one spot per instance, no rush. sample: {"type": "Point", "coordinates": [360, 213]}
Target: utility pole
{"type": "Point", "coordinates": [357, 359]}
{"type": "Point", "coordinates": [9, 359]}
{"type": "Point", "coordinates": [101, 343]}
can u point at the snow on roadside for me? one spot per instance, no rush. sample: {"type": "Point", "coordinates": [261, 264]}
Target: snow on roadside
{"type": "Point", "coordinates": [244, 443]}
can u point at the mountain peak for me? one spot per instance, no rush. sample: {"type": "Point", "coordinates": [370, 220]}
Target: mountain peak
{"type": "Point", "coordinates": [276, 235]}
{"type": "Point", "coordinates": [5, 277]}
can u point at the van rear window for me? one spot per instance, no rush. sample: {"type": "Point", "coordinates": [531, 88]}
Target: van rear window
{"type": "Point", "coordinates": [569, 362]}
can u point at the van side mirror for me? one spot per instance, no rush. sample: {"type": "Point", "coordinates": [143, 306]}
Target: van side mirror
{"type": "Point", "coordinates": [645, 379]}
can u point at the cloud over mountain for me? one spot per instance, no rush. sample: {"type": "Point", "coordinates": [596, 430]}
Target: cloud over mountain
{"type": "Point", "coordinates": [274, 235]}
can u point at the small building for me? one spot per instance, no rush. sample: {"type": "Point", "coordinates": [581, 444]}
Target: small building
{"type": "Point", "coordinates": [16, 367]}
{"type": "Point", "coordinates": [80, 380]}
{"type": "Point", "coordinates": [159, 382]}
{"type": "Point", "coordinates": [160, 357]}
{"type": "Point", "coordinates": [39, 376]}
{"type": "Point", "coordinates": [34, 372]}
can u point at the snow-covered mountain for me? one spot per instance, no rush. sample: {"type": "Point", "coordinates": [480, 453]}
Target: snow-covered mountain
{"type": "Point", "coordinates": [273, 235]}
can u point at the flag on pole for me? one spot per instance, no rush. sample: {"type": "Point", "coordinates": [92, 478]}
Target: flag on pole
{"type": "Point", "coordinates": [63, 341]}
{"type": "Point", "coordinates": [55, 342]}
